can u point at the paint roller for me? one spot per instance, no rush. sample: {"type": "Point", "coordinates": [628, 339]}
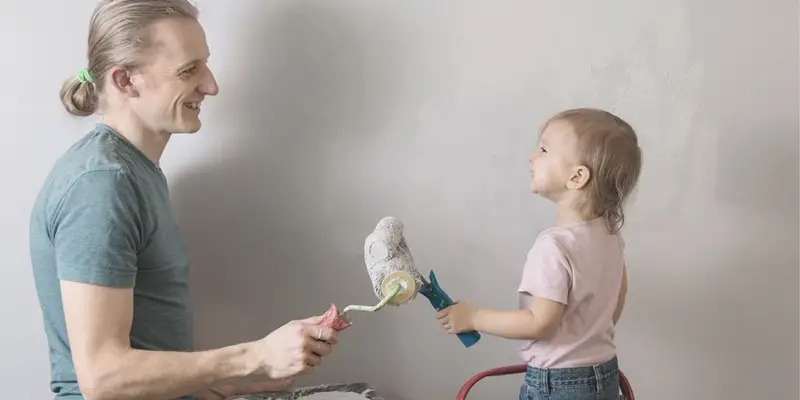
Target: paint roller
{"type": "Point", "coordinates": [395, 280]}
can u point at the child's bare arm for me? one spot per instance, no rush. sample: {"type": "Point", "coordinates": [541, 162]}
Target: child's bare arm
{"type": "Point", "coordinates": [539, 322]}
{"type": "Point", "coordinates": [623, 292]}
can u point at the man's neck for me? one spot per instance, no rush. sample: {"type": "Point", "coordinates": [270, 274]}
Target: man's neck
{"type": "Point", "coordinates": [149, 142]}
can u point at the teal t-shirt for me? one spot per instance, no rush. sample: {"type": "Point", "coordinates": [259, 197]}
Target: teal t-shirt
{"type": "Point", "coordinates": [104, 217]}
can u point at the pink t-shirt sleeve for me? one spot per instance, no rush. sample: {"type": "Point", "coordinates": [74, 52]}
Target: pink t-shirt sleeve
{"type": "Point", "coordinates": [547, 272]}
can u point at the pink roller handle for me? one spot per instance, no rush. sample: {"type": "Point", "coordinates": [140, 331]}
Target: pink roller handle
{"type": "Point", "coordinates": [333, 320]}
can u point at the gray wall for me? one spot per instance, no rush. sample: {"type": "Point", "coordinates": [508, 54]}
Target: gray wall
{"type": "Point", "coordinates": [333, 114]}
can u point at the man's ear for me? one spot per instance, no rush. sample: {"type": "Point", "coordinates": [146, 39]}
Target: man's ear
{"type": "Point", "coordinates": [122, 81]}
{"type": "Point", "coordinates": [579, 178]}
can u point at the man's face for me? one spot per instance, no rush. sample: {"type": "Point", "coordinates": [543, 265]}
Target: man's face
{"type": "Point", "coordinates": [173, 84]}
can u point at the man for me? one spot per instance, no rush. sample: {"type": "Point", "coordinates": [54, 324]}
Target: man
{"type": "Point", "coordinates": [109, 262]}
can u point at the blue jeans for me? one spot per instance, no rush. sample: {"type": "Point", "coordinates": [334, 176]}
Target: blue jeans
{"type": "Point", "coordinates": [599, 382]}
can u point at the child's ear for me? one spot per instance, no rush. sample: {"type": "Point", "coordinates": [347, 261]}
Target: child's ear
{"type": "Point", "coordinates": [579, 178]}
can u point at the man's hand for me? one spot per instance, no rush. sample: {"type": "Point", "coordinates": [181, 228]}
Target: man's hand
{"type": "Point", "coordinates": [294, 348]}
{"type": "Point", "coordinates": [460, 317]}
{"type": "Point", "coordinates": [99, 321]}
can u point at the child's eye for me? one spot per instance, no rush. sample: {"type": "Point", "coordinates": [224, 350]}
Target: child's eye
{"type": "Point", "coordinates": [542, 149]}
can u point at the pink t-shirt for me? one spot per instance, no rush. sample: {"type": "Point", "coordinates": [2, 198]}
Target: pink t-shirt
{"type": "Point", "coordinates": [581, 266]}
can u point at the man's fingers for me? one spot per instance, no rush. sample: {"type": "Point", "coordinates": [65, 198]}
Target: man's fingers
{"type": "Point", "coordinates": [312, 320]}
{"type": "Point", "coordinates": [323, 333]}
{"type": "Point", "coordinates": [321, 349]}
{"type": "Point", "coordinates": [313, 360]}
{"type": "Point", "coordinates": [318, 347]}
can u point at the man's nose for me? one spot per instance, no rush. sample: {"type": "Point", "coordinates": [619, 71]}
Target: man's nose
{"type": "Point", "coordinates": [210, 86]}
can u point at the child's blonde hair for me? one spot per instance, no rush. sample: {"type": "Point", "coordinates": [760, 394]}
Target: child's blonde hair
{"type": "Point", "coordinates": [609, 148]}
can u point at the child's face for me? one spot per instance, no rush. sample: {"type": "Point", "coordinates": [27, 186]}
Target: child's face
{"type": "Point", "coordinates": [554, 161]}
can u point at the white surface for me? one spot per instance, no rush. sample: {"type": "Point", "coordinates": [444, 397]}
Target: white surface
{"type": "Point", "coordinates": [333, 396]}
{"type": "Point", "coordinates": [316, 135]}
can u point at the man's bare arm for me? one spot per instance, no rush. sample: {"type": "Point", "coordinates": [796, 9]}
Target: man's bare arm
{"type": "Point", "coordinates": [623, 293]}
{"type": "Point", "coordinates": [99, 321]}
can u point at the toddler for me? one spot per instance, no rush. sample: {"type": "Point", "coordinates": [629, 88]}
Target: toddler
{"type": "Point", "coordinates": [574, 280]}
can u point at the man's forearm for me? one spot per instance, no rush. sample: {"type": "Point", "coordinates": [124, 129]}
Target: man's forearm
{"type": "Point", "coordinates": [515, 325]}
{"type": "Point", "coordinates": [139, 374]}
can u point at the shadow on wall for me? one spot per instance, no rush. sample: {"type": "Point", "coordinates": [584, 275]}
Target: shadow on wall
{"type": "Point", "coordinates": [263, 226]}
{"type": "Point", "coordinates": [737, 258]}
{"type": "Point", "coordinates": [697, 329]}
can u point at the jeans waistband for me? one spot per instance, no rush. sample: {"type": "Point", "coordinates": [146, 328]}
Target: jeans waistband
{"type": "Point", "coordinates": [547, 379]}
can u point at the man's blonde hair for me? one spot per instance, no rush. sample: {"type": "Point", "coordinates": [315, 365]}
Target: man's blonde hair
{"type": "Point", "coordinates": [116, 38]}
{"type": "Point", "coordinates": [609, 148]}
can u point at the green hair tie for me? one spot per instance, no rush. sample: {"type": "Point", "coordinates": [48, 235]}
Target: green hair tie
{"type": "Point", "coordinates": [84, 76]}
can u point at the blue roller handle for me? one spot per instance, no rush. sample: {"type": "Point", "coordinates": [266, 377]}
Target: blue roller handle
{"type": "Point", "coordinates": [440, 300]}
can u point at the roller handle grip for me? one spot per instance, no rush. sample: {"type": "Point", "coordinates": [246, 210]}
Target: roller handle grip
{"type": "Point", "coordinates": [440, 300]}
{"type": "Point", "coordinates": [334, 320]}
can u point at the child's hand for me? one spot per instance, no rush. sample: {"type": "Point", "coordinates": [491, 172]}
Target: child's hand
{"type": "Point", "coordinates": [457, 318]}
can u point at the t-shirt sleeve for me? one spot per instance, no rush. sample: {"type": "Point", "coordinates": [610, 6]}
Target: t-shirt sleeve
{"type": "Point", "coordinates": [547, 273]}
{"type": "Point", "coordinates": [96, 231]}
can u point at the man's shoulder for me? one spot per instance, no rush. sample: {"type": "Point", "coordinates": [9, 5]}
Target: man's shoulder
{"type": "Point", "coordinates": [95, 165]}
{"type": "Point", "coordinates": [97, 151]}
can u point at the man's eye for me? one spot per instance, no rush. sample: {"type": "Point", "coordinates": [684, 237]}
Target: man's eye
{"type": "Point", "coordinates": [187, 72]}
